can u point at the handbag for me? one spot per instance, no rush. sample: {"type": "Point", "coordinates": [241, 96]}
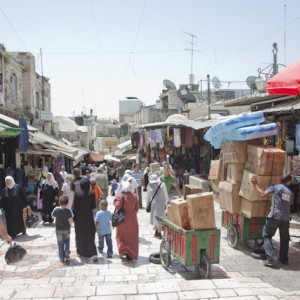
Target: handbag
{"type": "Point", "coordinates": [30, 217]}
{"type": "Point", "coordinates": [118, 217]}
{"type": "Point", "coordinates": [148, 208]}
{"type": "Point", "coordinates": [14, 253]}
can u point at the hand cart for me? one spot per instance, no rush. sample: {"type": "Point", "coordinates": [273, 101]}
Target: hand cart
{"type": "Point", "coordinates": [240, 227]}
{"type": "Point", "coordinates": [199, 248]}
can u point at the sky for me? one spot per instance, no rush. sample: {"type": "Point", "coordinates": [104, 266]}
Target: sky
{"type": "Point", "coordinates": [96, 52]}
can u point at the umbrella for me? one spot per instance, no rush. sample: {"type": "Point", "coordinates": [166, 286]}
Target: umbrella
{"type": "Point", "coordinates": [24, 136]}
{"type": "Point", "coordinates": [286, 82]}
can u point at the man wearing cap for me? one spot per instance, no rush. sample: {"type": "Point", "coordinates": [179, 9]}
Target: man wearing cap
{"type": "Point", "coordinates": [158, 197]}
{"type": "Point", "coordinates": [102, 181]}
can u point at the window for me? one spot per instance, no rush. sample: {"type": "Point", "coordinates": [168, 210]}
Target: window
{"type": "Point", "coordinates": [14, 94]}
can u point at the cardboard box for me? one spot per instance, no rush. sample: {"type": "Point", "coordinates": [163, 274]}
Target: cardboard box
{"type": "Point", "coordinates": [235, 172]}
{"type": "Point", "coordinates": [191, 189]}
{"type": "Point", "coordinates": [170, 215]}
{"type": "Point", "coordinates": [252, 209]}
{"type": "Point", "coordinates": [215, 169]}
{"type": "Point", "coordinates": [265, 160]}
{"type": "Point", "coordinates": [214, 184]}
{"type": "Point", "coordinates": [249, 191]}
{"type": "Point", "coordinates": [180, 213]}
{"type": "Point", "coordinates": [234, 152]}
{"type": "Point", "coordinates": [201, 211]}
{"type": "Point", "coordinates": [229, 196]}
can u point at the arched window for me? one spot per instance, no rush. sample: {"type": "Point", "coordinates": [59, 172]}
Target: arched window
{"type": "Point", "coordinates": [14, 93]}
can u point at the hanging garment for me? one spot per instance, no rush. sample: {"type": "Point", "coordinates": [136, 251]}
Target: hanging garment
{"type": "Point", "coordinates": [177, 137]}
{"type": "Point", "coordinates": [135, 139]}
{"type": "Point", "coordinates": [142, 141]}
{"type": "Point", "coordinates": [188, 137]}
{"type": "Point", "coordinates": [297, 135]}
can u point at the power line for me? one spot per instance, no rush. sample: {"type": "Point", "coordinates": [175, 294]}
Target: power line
{"type": "Point", "coordinates": [12, 27]}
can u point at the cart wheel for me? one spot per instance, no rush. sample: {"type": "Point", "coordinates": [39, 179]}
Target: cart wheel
{"type": "Point", "coordinates": [165, 254]}
{"type": "Point", "coordinates": [204, 268]}
{"type": "Point", "coordinates": [232, 236]}
{"type": "Point", "coordinates": [254, 244]}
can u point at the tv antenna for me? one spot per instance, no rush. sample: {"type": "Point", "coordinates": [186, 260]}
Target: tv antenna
{"type": "Point", "coordinates": [192, 50]}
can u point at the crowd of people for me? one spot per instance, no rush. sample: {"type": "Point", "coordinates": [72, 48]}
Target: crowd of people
{"type": "Point", "coordinates": [82, 200]}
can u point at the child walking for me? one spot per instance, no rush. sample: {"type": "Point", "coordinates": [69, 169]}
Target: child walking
{"type": "Point", "coordinates": [103, 227]}
{"type": "Point", "coordinates": [63, 217]}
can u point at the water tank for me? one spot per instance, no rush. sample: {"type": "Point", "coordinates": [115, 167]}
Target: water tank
{"type": "Point", "coordinates": [79, 120]}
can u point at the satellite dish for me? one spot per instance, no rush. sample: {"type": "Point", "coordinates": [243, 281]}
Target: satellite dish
{"type": "Point", "coordinates": [169, 84]}
{"type": "Point", "coordinates": [216, 82]}
{"type": "Point", "coordinates": [251, 82]}
{"type": "Point", "coordinates": [186, 96]}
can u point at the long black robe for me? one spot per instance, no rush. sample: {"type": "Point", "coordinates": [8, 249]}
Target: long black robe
{"type": "Point", "coordinates": [13, 202]}
{"type": "Point", "coordinates": [49, 200]}
{"type": "Point", "coordinates": [83, 205]}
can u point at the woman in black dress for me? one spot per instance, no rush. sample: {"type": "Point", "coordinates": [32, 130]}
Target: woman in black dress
{"type": "Point", "coordinates": [49, 196]}
{"type": "Point", "coordinates": [83, 205]}
{"type": "Point", "coordinates": [13, 201]}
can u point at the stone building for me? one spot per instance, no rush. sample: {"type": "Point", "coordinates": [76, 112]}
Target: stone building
{"type": "Point", "coordinates": [23, 91]}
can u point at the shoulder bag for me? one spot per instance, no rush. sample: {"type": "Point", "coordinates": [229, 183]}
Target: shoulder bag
{"type": "Point", "coordinates": [118, 216]}
{"type": "Point", "coordinates": [148, 208]}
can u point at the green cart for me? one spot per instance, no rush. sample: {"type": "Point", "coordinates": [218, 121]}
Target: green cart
{"type": "Point", "coordinates": [199, 248]}
{"type": "Point", "coordinates": [240, 227]}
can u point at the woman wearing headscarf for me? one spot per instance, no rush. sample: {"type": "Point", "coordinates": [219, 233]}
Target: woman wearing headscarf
{"type": "Point", "coordinates": [49, 196]}
{"type": "Point", "coordinates": [83, 205]}
{"type": "Point", "coordinates": [13, 201]}
{"type": "Point", "coordinates": [127, 233]}
{"type": "Point", "coordinates": [158, 196]}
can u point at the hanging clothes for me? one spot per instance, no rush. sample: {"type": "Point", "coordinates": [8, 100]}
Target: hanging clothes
{"type": "Point", "coordinates": [142, 141]}
{"type": "Point", "coordinates": [297, 135]}
{"type": "Point", "coordinates": [177, 137]}
{"type": "Point", "coordinates": [135, 139]}
{"type": "Point", "coordinates": [188, 137]}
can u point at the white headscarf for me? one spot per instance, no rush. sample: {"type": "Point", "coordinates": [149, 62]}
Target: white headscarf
{"type": "Point", "coordinates": [11, 182]}
{"type": "Point", "coordinates": [51, 181]}
{"type": "Point", "coordinates": [126, 186]}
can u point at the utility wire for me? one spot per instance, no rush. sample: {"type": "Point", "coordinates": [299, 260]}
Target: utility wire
{"type": "Point", "coordinates": [14, 30]}
{"type": "Point", "coordinates": [255, 43]}
{"type": "Point", "coordinates": [98, 35]}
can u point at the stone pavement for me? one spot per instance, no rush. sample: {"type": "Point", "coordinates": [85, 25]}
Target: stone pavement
{"type": "Point", "coordinates": [40, 275]}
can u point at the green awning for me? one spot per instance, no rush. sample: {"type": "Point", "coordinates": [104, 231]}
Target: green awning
{"type": "Point", "coordinates": [9, 132]}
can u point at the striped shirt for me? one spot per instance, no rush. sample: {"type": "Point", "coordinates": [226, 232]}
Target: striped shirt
{"type": "Point", "coordinates": [138, 176]}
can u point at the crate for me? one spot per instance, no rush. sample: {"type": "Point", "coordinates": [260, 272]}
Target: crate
{"type": "Point", "coordinates": [186, 245]}
{"type": "Point", "coordinates": [248, 228]}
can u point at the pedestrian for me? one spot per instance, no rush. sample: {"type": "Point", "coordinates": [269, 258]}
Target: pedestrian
{"type": "Point", "coordinates": [137, 174]}
{"type": "Point", "coordinates": [13, 202]}
{"type": "Point", "coordinates": [98, 193]}
{"type": "Point", "coordinates": [83, 205]}
{"type": "Point", "coordinates": [102, 181]}
{"type": "Point", "coordinates": [49, 196]}
{"type": "Point", "coordinates": [158, 196]}
{"type": "Point", "coordinates": [279, 217]}
{"type": "Point", "coordinates": [127, 233]}
{"type": "Point", "coordinates": [67, 191]}
{"type": "Point", "coordinates": [146, 178]}
{"type": "Point", "coordinates": [63, 173]}
{"type": "Point", "coordinates": [103, 228]}
{"type": "Point", "coordinates": [75, 184]}
{"type": "Point", "coordinates": [63, 218]}
{"type": "Point", "coordinates": [170, 182]}
{"type": "Point", "coordinates": [5, 236]}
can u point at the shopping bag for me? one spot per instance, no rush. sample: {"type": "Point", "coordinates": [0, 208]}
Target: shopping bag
{"type": "Point", "coordinates": [14, 253]}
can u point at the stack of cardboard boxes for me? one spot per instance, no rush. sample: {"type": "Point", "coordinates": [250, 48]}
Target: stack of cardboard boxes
{"type": "Point", "coordinates": [242, 161]}
{"type": "Point", "coordinates": [196, 212]}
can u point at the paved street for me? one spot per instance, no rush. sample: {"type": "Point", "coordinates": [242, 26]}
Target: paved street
{"type": "Point", "coordinates": [238, 276]}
